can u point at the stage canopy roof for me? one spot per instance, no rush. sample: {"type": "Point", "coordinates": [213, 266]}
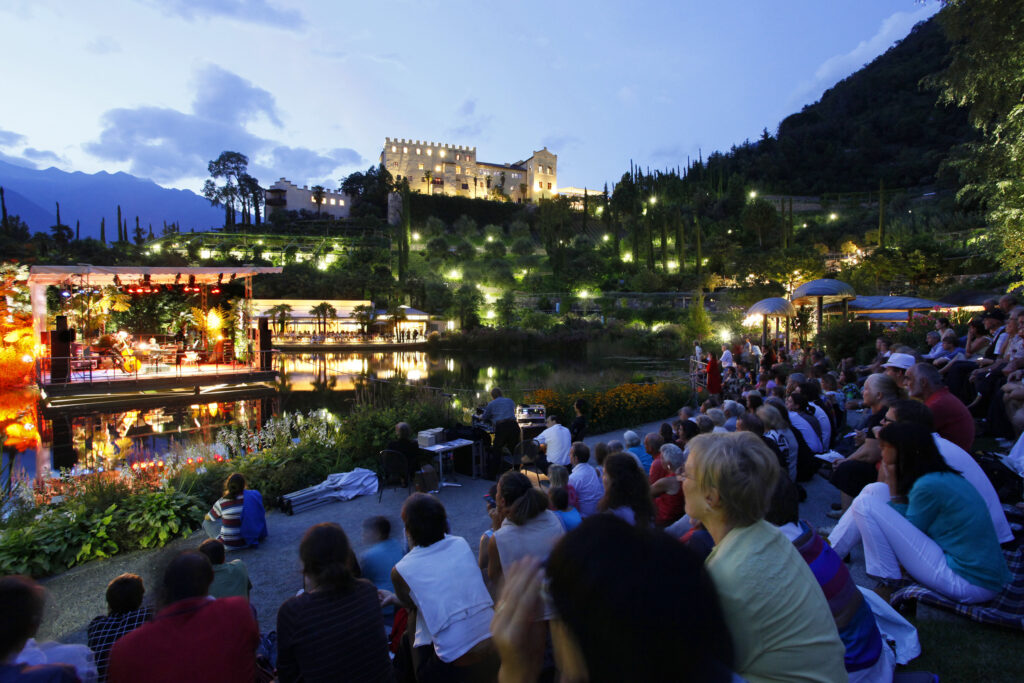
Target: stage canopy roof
{"type": "Point", "coordinates": [829, 290]}
{"type": "Point", "coordinates": [773, 307]}
{"type": "Point", "coordinates": [158, 275]}
{"type": "Point", "coordinates": [893, 304]}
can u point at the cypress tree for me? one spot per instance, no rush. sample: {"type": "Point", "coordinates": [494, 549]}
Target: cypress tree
{"type": "Point", "coordinates": [700, 254]}
{"type": "Point", "coordinates": [680, 236]}
{"type": "Point", "coordinates": [118, 222]}
{"type": "Point", "coordinates": [103, 230]}
{"type": "Point", "coordinates": [58, 213]}
{"type": "Point", "coordinates": [77, 234]}
{"type": "Point", "coordinates": [881, 212]}
{"type": "Point", "coordinates": [3, 211]}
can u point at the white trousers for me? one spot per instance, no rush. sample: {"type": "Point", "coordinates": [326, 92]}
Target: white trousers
{"type": "Point", "coordinates": [890, 540]}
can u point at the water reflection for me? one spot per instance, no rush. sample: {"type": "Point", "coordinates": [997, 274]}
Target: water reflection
{"type": "Point", "coordinates": [93, 436]}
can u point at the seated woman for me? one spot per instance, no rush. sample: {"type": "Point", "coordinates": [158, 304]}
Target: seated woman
{"type": "Point", "coordinates": [524, 525]}
{"type": "Point", "coordinates": [632, 605]}
{"type": "Point", "coordinates": [439, 579]}
{"type": "Point", "coordinates": [333, 630]}
{"type": "Point", "coordinates": [780, 622]}
{"type": "Point", "coordinates": [237, 518]}
{"type": "Point", "coordinates": [928, 519]}
{"type": "Point", "coordinates": [627, 493]}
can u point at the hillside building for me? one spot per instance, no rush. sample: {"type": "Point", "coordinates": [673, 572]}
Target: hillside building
{"type": "Point", "coordinates": [442, 168]}
{"type": "Point", "coordinates": [287, 196]}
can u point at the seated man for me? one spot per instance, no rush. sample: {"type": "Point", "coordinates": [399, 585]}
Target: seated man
{"type": "Point", "coordinates": [867, 658]}
{"type": "Point", "coordinates": [404, 444]}
{"type": "Point", "coordinates": [21, 612]}
{"type": "Point", "coordinates": [952, 419]}
{"type": "Point", "coordinates": [584, 480]}
{"type": "Point", "coordinates": [194, 638]}
{"type": "Point", "coordinates": [126, 613]}
{"type": "Point", "coordinates": [555, 441]}
{"type": "Point", "coordinates": [230, 579]}
{"type": "Point", "coordinates": [381, 555]}
{"type": "Point", "coordinates": [934, 343]}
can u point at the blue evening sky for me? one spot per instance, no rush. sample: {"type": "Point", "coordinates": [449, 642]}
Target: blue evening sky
{"type": "Point", "coordinates": [309, 89]}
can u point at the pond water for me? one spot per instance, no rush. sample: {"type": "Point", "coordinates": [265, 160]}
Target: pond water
{"type": "Point", "coordinates": [88, 437]}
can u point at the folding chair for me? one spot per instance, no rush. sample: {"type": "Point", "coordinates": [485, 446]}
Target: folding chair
{"type": "Point", "coordinates": [391, 469]}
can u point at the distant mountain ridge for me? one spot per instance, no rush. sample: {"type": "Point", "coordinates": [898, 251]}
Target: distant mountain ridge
{"type": "Point", "coordinates": [33, 195]}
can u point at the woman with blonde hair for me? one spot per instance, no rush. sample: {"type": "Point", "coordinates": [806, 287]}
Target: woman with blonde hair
{"type": "Point", "coordinates": [778, 616]}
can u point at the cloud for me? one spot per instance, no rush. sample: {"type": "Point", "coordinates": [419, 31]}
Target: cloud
{"type": "Point", "coordinates": [103, 45]}
{"type": "Point", "coordinates": [303, 163]}
{"type": "Point", "coordinates": [41, 154]}
{"type": "Point", "coordinates": [894, 27]}
{"type": "Point", "coordinates": [10, 139]}
{"type": "Point", "coordinates": [249, 11]}
{"type": "Point", "coordinates": [224, 96]}
{"type": "Point", "coordinates": [166, 145]}
{"type": "Point", "coordinates": [17, 161]}
{"type": "Point", "coordinates": [472, 124]}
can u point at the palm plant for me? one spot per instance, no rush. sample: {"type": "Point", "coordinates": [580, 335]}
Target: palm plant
{"type": "Point", "coordinates": [280, 315]}
{"type": "Point", "coordinates": [363, 315]}
{"type": "Point", "coordinates": [323, 311]}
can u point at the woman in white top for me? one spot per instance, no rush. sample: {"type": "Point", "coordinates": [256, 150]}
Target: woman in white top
{"type": "Point", "coordinates": [524, 526]}
{"type": "Point", "coordinates": [440, 584]}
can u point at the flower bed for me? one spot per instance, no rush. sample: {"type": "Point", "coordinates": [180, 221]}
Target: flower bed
{"type": "Point", "coordinates": [626, 405]}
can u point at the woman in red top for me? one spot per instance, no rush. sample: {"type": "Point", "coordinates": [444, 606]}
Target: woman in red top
{"type": "Point", "coordinates": [714, 375]}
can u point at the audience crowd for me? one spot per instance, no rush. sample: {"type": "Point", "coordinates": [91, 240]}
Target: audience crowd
{"type": "Point", "coordinates": [678, 554]}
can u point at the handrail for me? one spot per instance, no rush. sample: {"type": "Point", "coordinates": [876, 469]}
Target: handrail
{"type": "Point", "coordinates": [86, 369]}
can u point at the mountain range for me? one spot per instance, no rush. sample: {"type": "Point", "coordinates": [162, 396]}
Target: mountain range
{"type": "Point", "coordinates": [33, 196]}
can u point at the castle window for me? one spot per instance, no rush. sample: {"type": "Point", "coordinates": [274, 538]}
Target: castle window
{"type": "Point", "coordinates": [437, 169]}
{"type": "Point", "coordinates": [458, 157]}
{"type": "Point", "coordinates": [332, 201]}
{"type": "Point", "coordinates": [465, 186]}
{"type": "Point", "coordinates": [441, 152]}
{"type": "Point", "coordinates": [420, 166]}
{"type": "Point", "coordinates": [418, 150]}
{"type": "Point", "coordinates": [394, 148]}
{"type": "Point", "coordinates": [458, 169]}
{"type": "Point", "coordinates": [549, 186]}
{"type": "Point", "coordinates": [341, 202]}
{"type": "Point", "coordinates": [405, 150]}
{"type": "Point", "coordinates": [430, 152]}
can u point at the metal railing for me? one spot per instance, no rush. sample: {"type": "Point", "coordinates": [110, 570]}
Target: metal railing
{"type": "Point", "coordinates": [112, 368]}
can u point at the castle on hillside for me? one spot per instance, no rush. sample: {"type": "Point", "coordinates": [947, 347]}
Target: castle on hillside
{"type": "Point", "coordinates": [441, 168]}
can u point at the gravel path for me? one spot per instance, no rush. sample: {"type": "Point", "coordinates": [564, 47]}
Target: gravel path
{"type": "Point", "coordinates": [77, 595]}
